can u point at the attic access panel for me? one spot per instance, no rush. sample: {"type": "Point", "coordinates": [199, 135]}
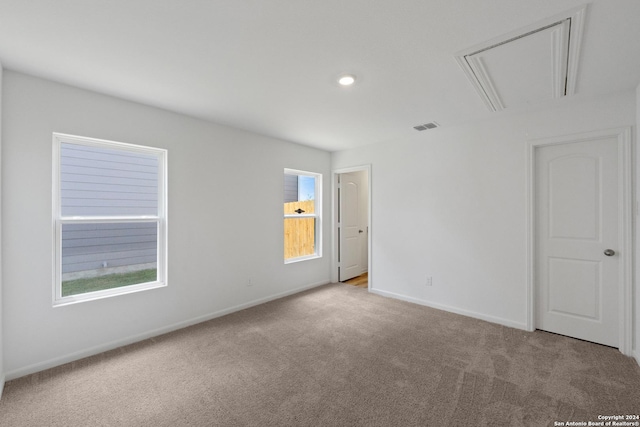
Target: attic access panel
{"type": "Point", "coordinates": [527, 66]}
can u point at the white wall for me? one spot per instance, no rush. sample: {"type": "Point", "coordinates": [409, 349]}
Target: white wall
{"type": "Point", "coordinates": [2, 376]}
{"type": "Point", "coordinates": [451, 203]}
{"type": "Point", "coordinates": [636, 311]}
{"type": "Point", "coordinates": [222, 231]}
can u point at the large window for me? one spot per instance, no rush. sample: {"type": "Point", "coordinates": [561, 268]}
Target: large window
{"type": "Point", "coordinates": [109, 215]}
{"type": "Point", "coordinates": [302, 215]}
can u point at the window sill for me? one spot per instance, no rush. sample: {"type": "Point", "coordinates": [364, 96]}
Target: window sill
{"type": "Point", "coordinates": [93, 296]}
{"type": "Point", "coordinates": [302, 258]}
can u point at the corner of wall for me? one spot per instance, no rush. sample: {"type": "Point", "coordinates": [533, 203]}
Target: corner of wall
{"type": "Point", "coordinates": [2, 374]}
{"type": "Point", "coordinates": [636, 222]}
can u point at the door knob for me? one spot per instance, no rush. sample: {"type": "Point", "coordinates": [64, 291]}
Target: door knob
{"type": "Point", "coordinates": [609, 252]}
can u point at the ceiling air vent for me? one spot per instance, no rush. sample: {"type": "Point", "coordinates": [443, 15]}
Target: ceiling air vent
{"type": "Point", "coordinates": [430, 125]}
{"type": "Point", "coordinates": [527, 66]}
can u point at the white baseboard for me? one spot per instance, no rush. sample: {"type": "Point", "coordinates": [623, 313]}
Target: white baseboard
{"type": "Point", "coordinates": [41, 366]}
{"type": "Point", "coordinates": [463, 312]}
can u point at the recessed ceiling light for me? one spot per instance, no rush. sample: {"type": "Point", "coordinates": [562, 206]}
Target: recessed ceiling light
{"type": "Point", "coordinates": [347, 79]}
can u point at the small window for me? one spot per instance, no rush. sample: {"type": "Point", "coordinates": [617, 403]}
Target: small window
{"type": "Point", "coordinates": [302, 215]}
{"type": "Point", "coordinates": [109, 213]}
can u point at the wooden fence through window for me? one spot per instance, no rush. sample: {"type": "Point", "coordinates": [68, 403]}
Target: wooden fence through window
{"type": "Point", "coordinates": [299, 233]}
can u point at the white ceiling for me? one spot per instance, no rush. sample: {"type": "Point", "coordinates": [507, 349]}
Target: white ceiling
{"type": "Point", "coordinates": [270, 66]}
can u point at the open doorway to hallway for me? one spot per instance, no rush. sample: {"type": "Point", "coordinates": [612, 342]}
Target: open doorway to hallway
{"type": "Point", "coordinates": [352, 226]}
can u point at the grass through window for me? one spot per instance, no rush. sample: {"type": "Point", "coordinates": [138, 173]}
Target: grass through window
{"type": "Point", "coordinates": [80, 286]}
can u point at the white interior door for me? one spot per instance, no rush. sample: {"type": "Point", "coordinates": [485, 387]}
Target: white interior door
{"type": "Point", "coordinates": [577, 239]}
{"type": "Point", "coordinates": [350, 230]}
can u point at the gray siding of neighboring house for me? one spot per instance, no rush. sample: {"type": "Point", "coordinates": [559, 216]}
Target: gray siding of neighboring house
{"type": "Point", "coordinates": [290, 188]}
{"type": "Point", "coordinates": [100, 181]}
{"type": "Point", "coordinates": [105, 182]}
{"type": "Point", "coordinates": [96, 246]}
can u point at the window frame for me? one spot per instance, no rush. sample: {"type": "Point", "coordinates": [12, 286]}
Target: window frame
{"type": "Point", "coordinates": [317, 215]}
{"type": "Point", "coordinates": [58, 220]}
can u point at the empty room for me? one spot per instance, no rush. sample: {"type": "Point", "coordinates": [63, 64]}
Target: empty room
{"type": "Point", "coordinates": [319, 213]}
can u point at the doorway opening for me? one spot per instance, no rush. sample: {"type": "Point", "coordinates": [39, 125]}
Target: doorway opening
{"type": "Point", "coordinates": [361, 281]}
{"type": "Point", "coordinates": [352, 226]}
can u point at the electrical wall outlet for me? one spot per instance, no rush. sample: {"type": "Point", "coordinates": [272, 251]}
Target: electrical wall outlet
{"type": "Point", "coordinates": [429, 281]}
{"type": "Point", "coordinates": [249, 282]}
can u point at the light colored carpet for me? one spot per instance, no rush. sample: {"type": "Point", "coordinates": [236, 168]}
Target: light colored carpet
{"type": "Point", "coordinates": [333, 356]}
